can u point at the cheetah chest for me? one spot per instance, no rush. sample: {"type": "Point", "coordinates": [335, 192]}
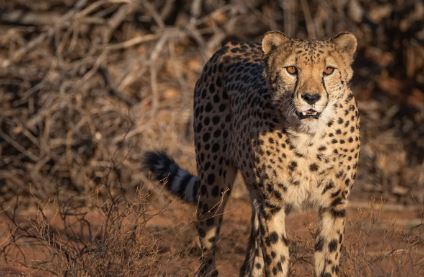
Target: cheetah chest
{"type": "Point", "coordinates": [294, 169]}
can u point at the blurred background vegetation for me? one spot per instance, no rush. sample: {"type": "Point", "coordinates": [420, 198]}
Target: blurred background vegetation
{"type": "Point", "coordinates": [83, 82]}
{"type": "Point", "coordinates": [87, 86]}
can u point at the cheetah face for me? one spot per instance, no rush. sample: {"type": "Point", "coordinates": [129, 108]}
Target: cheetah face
{"type": "Point", "coordinates": [306, 77]}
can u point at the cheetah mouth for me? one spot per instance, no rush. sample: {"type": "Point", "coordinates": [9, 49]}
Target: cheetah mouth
{"type": "Point", "coordinates": [309, 114]}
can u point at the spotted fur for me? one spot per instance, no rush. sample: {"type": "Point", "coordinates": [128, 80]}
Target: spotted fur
{"type": "Point", "coordinates": [282, 114]}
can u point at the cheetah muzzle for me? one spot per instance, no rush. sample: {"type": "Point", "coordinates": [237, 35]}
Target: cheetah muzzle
{"type": "Point", "coordinates": [282, 114]}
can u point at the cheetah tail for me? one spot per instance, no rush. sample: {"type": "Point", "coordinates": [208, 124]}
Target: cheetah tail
{"type": "Point", "coordinates": [177, 180]}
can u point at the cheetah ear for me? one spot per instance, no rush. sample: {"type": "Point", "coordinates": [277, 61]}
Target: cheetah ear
{"type": "Point", "coordinates": [346, 44]}
{"type": "Point", "coordinates": [273, 40]}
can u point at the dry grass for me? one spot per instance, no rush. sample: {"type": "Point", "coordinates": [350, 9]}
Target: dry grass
{"type": "Point", "coordinates": [87, 86]}
{"type": "Point", "coordinates": [109, 239]}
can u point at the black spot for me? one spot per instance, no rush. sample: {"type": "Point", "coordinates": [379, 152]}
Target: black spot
{"type": "Point", "coordinates": [203, 92]}
{"type": "Point", "coordinates": [211, 179]}
{"type": "Point", "coordinates": [216, 98]}
{"type": "Point", "coordinates": [313, 167]}
{"type": "Point", "coordinates": [346, 123]}
{"type": "Point", "coordinates": [282, 186]}
{"type": "Point", "coordinates": [277, 195]}
{"type": "Point", "coordinates": [198, 127]}
{"type": "Point", "coordinates": [292, 165]}
{"type": "Point", "coordinates": [339, 174]}
{"type": "Point", "coordinates": [208, 107]}
{"type": "Point", "coordinates": [212, 88]}
{"type": "Point", "coordinates": [203, 190]}
{"type": "Point", "coordinates": [215, 191]}
{"type": "Point", "coordinates": [322, 148]}
{"type": "Point", "coordinates": [206, 136]}
{"type": "Point", "coordinates": [215, 147]}
{"type": "Point", "coordinates": [217, 133]}
{"type": "Point", "coordinates": [319, 244]}
{"type": "Point", "coordinates": [273, 237]}
{"type": "Point", "coordinates": [258, 265]}
{"type": "Point", "coordinates": [267, 259]}
{"type": "Point", "coordinates": [332, 246]}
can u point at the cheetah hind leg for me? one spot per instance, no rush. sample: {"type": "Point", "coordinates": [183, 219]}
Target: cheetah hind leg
{"type": "Point", "coordinates": [254, 263]}
{"type": "Point", "coordinates": [213, 195]}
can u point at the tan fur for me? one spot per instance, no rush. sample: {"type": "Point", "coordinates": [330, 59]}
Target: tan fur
{"type": "Point", "coordinates": [293, 137]}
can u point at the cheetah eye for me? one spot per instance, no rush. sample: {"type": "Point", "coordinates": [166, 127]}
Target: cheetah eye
{"type": "Point", "coordinates": [291, 70]}
{"type": "Point", "coordinates": [328, 70]}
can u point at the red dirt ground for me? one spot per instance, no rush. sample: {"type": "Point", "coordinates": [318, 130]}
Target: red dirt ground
{"type": "Point", "coordinates": [381, 240]}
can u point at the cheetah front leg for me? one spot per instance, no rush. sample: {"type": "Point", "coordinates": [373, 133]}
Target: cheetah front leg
{"type": "Point", "coordinates": [330, 237]}
{"type": "Point", "coordinates": [273, 240]}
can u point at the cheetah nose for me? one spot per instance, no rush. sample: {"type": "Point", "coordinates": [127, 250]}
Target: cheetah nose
{"type": "Point", "coordinates": [311, 98]}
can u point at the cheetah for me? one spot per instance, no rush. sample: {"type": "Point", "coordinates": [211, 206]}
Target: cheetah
{"type": "Point", "coordinates": [282, 114]}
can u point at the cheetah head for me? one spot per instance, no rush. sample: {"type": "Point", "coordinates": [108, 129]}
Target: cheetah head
{"type": "Point", "coordinates": [306, 77]}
